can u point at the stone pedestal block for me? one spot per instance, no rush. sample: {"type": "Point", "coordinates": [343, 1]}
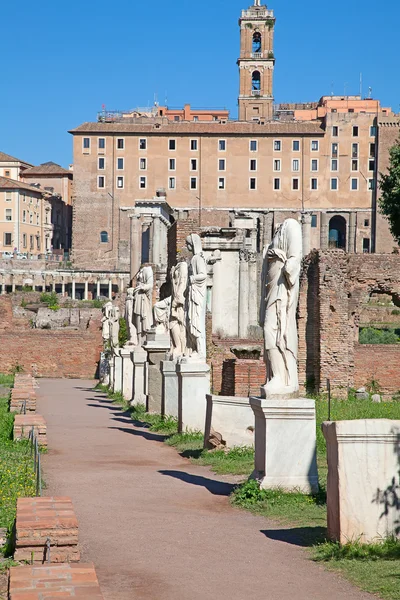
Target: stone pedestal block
{"type": "Point", "coordinates": [127, 372]}
{"type": "Point", "coordinates": [156, 346]}
{"type": "Point", "coordinates": [139, 391]}
{"type": "Point", "coordinates": [363, 479]}
{"type": "Point", "coordinates": [117, 372]}
{"type": "Point", "coordinates": [23, 425]}
{"type": "Point", "coordinates": [232, 417]}
{"type": "Point", "coordinates": [193, 386]}
{"type": "Point", "coordinates": [112, 371]}
{"type": "Point", "coordinates": [285, 444]}
{"type": "Point", "coordinates": [169, 402]}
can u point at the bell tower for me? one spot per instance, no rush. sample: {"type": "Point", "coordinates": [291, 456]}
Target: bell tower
{"type": "Point", "coordinates": [256, 62]}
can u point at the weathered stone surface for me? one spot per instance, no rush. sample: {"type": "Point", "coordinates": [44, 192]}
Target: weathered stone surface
{"type": "Point", "coordinates": [194, 385]}
{"type": "Point", "coordinates": [285, 444]}
{"type": "Point", "coordinates": [362, 395]}
{"type": "Point", "coordinates": [23, 425]}
{"type": "Point", "coordinates": [363, 479]}
{"type": "Point", "coordinates": [54, 581]}
{"type": "Point", "coordinates": [169, 403]}
{"type": "Point", "coordinates": [232, 418]}
{"type": "Point", "coordinates": [376, 398]}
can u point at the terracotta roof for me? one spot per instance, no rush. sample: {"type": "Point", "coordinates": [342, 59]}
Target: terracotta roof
{"type": "Point", "coordinates": [47, 168]}
{"type": "Point", "coordinates": [8, 158]}
{"type": "Point", "coordinates": [205, 128]}
{"type": "Point", "coordinates": [12, 184]}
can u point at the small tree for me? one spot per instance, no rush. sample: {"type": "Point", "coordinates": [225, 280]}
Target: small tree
{"type": "Point", "coordinates": [390, 192]}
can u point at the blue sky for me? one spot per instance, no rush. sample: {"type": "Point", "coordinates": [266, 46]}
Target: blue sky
{"type": "Point", "coordinates": [63, 60]}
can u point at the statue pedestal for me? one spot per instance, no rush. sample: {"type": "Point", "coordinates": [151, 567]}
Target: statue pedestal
{"type": "Point", "coordinates": [285, 444]}
{"type": "Point", "coordinates": [117, 372]}
{"type": "Point", "coordinates": [127, 373]}
{"type": "Point", "coordinates": [111, 370]}
{"type": "Point", "coordinates": [193, 386]}
{"type": "Point", "coordinates": [139, 385]}
{"type": "Point", "coordinates": [156, 346]}
{"type": "Point", "coordinates": [169, 399]}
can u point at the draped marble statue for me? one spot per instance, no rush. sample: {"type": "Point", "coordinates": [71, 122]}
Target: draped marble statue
{"type": "Point", "coordinates": [196, 301]}
{"type": "Point", "coordinates": [105, 321]}
{"type": "Point", "coordinates": [114, 327]}
{"type": "Point", "coordinates": [142, 303]}
{"type": "Point", "coordinates": [279, 298]}
{"type": "Point", "coordinates": [177, 321]}
{"type": "Point", "coordinates": [130, 327]}
{"type": "Point", "coordinates": [161, 314]}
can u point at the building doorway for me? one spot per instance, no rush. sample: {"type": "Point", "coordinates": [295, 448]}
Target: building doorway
{"type": "Point", "coordinates": [337, 232]}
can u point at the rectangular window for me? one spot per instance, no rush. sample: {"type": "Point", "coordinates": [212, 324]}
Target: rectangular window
{"type": "Point", "coordinates": [314, 145]}
{"type": "Point", "coordinates": [102, 163]}
{"type": "Point", "coordinates": [31, 246]}
{"type": "Point", "coordinates": [253, 183]}
{"type": "Point", "coordinates": [222, 145]}
{"type": "Point", "coordinates": [24, 216]}
{"type": "Point", "coordinates": [334, 164]}
{"type": "Point", "coordinates": [221, 164]}
{"type": "Point", "coordinates": [366, 222]}
{"type": "Point", "coordinates": [195, 118]}
{"type": "Point", "coordinates": [314, 183]}
{"type": "Point", "coordinates": [8, 214]}
{"type": "Point", "coordinates": [143, 164]}
{"type": "Point", "coordinates": [7, 239]}
{"type": "Point", "coordinates": [277, 183]}
{"type": "Point", "coordinates": [366, 245]}
{"type": "Point", "coordinates": [277, 164]}
{"type": "Point", "coordinates": [295, 164]}
{"type": "Point", "coordinates": [221, 183]}
{"type": "Point", "coordinates": [8, 196]}
{"type": "Point", "coordinates": [314, 220]}
{"type": "Point", "coordinates": [120, 182]}
{"type": "Point", "coordinates": [314, 165]}
{"type": "Point", "coordinates": [101, 143]}
{"type": "Point", "coordinates": [171, 183]}
{"type": "Point", "coordinates": [193, 183]}
{"type": "Point", "coordinates": [101, 182]}
{"type": "Point", "coordinates": [86, 143]}
{"type": "Point", "coordinates": [193, 144]}
{"type": "Point", "coordinates": [193, 164]}
{"type": "Point", "coordinates": [372, 150]}
{"type": "Point", "coordinates": [120, 164]}
{"type": "Point", "coordinates": [172, 164]}
{"type": "Point", "coordinates": [7, 173]}
{"type": "Point", "coordinates": [176, 118]}
{"type": "Point", "coordinates": [37, 219]}
{"type": "Point", "coordinates": [372, 131]}
{"type": "Point", "coordinates": [296, 146]}
{"type": "Point", "coordinates": [253, 145]}
{"type": "Point", "coordinates": [295, 184]}
{"type": "Point", "coordinates": [335, 149]}
{"type": "Point", "coordinates": [355, 131]}
{"type": "Point", "coordinates": [335, 131]}
{"type": "Point", "coordinates": [354, 165]}
{"type": "Point", "coordinates": [334, 184]}
{"type": "Point", "coordinates": [142, 183]}
{"type": "Point", "coordinates": [354, 184]}
{"type": "Point", "coordinates": [38, 242]}
{"type": "Point", "coordinates": [371, 184]}
{"type": "Point", "coordinates": [120, 143]}
{"type": "Point", "coordinates": [277, 145]}
{"type": "Point", "coordinates": [24, 240]}
{"type": "Point", "coordinates": [31, 218]}
{"type": "Point", "coordinates": [172, 144]}
{"type": "Point", "coordinates": [253, 164]}
{"type": "Point", "coordinates": [142, 144]}
{"type": "Point", "coordinates": [354, 150]}
{"type": "Point", "coordinates": [371, 165]}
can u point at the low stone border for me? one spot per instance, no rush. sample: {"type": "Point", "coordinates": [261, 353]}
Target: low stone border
{"type": "Point", "coordinates": [23, 425]}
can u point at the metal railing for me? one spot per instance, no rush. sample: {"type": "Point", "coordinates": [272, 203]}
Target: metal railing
{"type": "Point", "coordinates": [35, 453]}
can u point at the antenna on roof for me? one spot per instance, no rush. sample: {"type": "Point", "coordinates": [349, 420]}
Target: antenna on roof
{"type": "Point", "coordinates": [370, 92]}
{"type": "Point", "coordinates": [361, 85]}
{"type": "Point", "coordinates": [332, 94]}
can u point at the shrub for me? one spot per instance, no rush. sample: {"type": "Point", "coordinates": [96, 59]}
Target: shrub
{"type": "Point", "coordinates": [123, 332]}
{"type": "Point", "coordinates": [370, 335]}
{"type": "Point", "coordinates": [51, 300]}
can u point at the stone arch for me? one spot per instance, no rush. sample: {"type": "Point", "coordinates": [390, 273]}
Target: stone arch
{"type": "Point", "coordinates": [337, 232]}
{"type": "Point", "coordinates": [256, 81]}
{"type": "Point", "coordinates": [257, 41]}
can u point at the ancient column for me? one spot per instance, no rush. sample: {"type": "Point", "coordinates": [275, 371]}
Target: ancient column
{"type": "Point", "coordinates": [243, 293]}
{"type": "Point", "coordinates": [121, 284]}
{"type": "Point", "coordinates": [306, 232]}
{"type": "Point", "coordinates": [156, 239]}
{"type": "Point", "coordinates": [136, 244]}
{"type": "Point", "coordinates": [98, 289]}
{"type": "Point", "coordinates": [352, 233]}
{"type": "Point", "coordinates": [253, 280]}
{"type": "Point", "coordinates": [217, 291]}
{"type": "Point", "coordinates": [86, 290]}
{"type": "Point", "coordinates": [53, 284]}
{"type": "Point", "coordinates": [268, 220]}
{"type": "Point", "coordinates": [63, 287]}
{"type": "Point", "coordinates": [110, 289]}
{"type": "Point", "coordinates": [324, 233]}
{"type": "Point", "coordinates": [73, 289]}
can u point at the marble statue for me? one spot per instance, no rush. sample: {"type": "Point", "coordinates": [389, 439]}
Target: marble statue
{"type": "Point", "coordinates": [130, 327]}
{"type": "Point", "coordinates": [279, 298]}
{"type": "Point", "coordinates": [114, 327]}
{"type": "Point", "coordinates": [105, 320]}
{"type": "Point", "coordinates": [142, 303]}
{"type": "Point", "coordinates": [196, 301]}
{"type": "Point", "coordinates": [161, 314]}
{"type": "Point", "coordinates": [177, 321]}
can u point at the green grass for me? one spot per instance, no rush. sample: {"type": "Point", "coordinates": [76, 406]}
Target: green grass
{"type": "Point", "coordinates": [17, 476]}
{"type": "Point", "coordinates": [7, 379]}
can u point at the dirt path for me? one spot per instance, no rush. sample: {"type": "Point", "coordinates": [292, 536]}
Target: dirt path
{"type": "Point", "coordinates": [157, 527]}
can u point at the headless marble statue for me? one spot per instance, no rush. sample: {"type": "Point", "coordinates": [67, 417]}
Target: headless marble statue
{"type": "Point", "coordinates": [196, 308]}
{"type": "Point", "coordinates": [177, 321]}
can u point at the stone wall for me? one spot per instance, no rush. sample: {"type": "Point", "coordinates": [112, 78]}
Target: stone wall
{"type": "Point", "coordinates": [334, 288]}
{"type": "Point", "coordinates": [378, 364]}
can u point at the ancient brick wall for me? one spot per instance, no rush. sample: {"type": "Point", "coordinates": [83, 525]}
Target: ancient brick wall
{"type": "Point", "coordinates": [378, 363]}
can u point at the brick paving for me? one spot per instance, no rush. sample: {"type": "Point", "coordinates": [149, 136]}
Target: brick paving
{"type": "Point", "coordinates": [54, 581]}
{"type": "Point", "coordinates": [157, 527]}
